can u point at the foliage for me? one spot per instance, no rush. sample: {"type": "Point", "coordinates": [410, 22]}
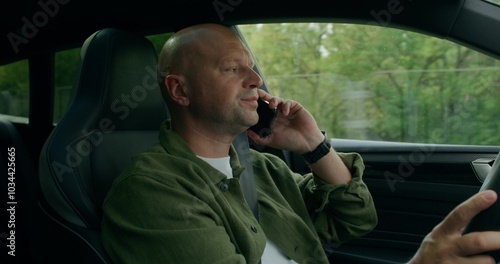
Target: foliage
{"type": "Point", "coordinates": [66, 65]}
{"type": "Point", "coordinates": [360, 82]}
{"type": "Point", "coordinates": [366, 82]}
{"type": "Point", "coordinates": [14, 88]}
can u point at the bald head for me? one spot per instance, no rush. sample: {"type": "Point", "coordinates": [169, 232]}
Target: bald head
{"type": "Point", "coordinates": [207, 79]}
{"type": "Point", "coordinates": [187, 46]}
{"type": "Point", "coordinates": [184, 51]}
{"type": "Point", "coordinates": [204, 67]}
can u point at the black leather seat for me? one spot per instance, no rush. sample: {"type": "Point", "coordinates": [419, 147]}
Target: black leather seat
{"type": "Point", "coordinates": [115, 112]}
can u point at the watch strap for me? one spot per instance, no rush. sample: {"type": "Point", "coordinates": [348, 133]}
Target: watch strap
{"type": "Point", "coordinates": [322, 150]}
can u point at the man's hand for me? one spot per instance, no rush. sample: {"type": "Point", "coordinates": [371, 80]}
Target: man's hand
{"type": "Point", "coordinates": [446, 244]}
{"type": "Point", "coordinates": [294, 128]}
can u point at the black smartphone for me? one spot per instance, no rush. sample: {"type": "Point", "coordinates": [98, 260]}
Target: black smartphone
{"type": "Point", "coordinates": [266, 118]}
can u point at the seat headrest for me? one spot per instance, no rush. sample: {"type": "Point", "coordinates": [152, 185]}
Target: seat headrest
{"type": "Point", "coordinates": [115, 111]}
{"type": "Point", "coordinates": [118, 81]}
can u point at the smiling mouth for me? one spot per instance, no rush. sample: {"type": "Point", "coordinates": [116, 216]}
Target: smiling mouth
{"type": "Point", "coordinates": [252, 100]}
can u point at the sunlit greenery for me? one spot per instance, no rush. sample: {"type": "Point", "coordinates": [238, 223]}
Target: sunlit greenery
{"type": "Point", "coordinates": [497, 2]}
{"type": "Point", "coordinates": [14, 89]}
{"type": "Point", "coordinates": [366, 82]}
{"type": "Point", "coordinates": [66, 65]}
{"type": "Point", "coordinates": [360, 82]}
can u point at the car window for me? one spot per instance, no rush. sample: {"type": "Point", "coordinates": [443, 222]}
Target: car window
{"type": "Point", "coordinates": [66, 66]}
{"type": "Point", "coordinates": [377, 83]}
{"type": "Point", "coordinates": [158, 40]}
{"type": "Point", "coordinates": [14, 91]}
{"type": "Point", "coordinates": [497, 2]}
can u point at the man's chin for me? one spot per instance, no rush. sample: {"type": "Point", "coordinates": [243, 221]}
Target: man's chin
{"type": "Point", "coordinates": [255, 121]}
{"type": "Point", "coordinates": [250, 120]}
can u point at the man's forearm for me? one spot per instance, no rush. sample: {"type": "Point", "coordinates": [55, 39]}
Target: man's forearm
{"type": "Point", "coordinates": [331, 169]}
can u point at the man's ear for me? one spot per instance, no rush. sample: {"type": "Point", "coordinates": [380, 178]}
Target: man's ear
{"type": "Point", "coordinates": [174, 85]}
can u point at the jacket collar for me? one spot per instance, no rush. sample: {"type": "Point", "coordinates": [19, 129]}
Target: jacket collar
{"type": "Point", "coordinates": [175, 145]}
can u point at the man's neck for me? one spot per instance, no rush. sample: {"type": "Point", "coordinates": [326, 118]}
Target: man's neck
{"type": "Point", "coordinates": [204, 142]}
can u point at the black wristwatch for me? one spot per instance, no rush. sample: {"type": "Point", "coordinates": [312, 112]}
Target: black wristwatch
{"type": "Point", "coordinates": [319, 152]}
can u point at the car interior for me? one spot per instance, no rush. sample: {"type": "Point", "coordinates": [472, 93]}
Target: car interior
{"type": "Point", "coordinates": [64, 168]}
{"type": "Point", "coordinates": [85, 152]}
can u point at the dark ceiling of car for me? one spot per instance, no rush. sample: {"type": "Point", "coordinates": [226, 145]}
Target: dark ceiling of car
{"type": "Point", "coordinates": [31, 27]}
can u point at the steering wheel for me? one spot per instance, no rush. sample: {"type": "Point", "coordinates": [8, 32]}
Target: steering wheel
{"type": "Point", "coordinates": [489, 219]}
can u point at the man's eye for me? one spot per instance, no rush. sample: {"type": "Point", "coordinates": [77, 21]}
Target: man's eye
{"type": "Point", "coordinates": [232, 69]}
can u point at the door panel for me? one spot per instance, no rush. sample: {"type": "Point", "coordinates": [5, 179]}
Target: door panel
{"type": "Point", "coordinates": [414, 186]}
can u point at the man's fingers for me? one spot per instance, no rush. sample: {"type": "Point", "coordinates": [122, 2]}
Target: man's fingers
{"type": "Point", "coordinates": [479, 242]}
{"type": "Point", "coordinates": [462, 214]}
{"type": "Point", "coordinates": [276, 102]}
{"type": "Point", "coordinates": [264, 95]}
{"type": "Point", "coordinates": [263, 141]}
{"type": "Point", "coordinates": [479, 259]}
{"type": "Point", "coordinates": [273, 100]}
{"type": "Point", "coordinates": [284, 108]}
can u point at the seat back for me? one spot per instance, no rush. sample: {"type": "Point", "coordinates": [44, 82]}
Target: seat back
{"type": "Point", "coordinates": [115, 112]}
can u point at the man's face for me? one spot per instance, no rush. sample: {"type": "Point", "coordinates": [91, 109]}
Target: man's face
{"type": "Point", "coordinates": [224, 86]}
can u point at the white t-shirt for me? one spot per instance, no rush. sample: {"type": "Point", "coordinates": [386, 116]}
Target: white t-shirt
{"type": "Point", "coordinates": [272, 254]}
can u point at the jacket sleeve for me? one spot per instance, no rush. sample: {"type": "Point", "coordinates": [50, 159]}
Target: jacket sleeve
{"type": "Point", "coordinates": [340, 212]}
{"type": "Point", "coordinates": [162, 225]}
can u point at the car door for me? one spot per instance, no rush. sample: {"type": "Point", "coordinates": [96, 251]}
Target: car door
{"type": "Point", "coordinates": [414, 186]}
{"type": "Point", "coordinates": [417, 109]}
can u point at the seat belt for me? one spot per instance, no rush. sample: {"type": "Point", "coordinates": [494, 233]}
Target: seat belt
{"type": "Point", "coordinates": [247, 181]}
{"type": "Point", "coordinates": [242, 147]}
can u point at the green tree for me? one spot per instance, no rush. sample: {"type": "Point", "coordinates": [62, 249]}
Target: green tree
{"type": "Point", "coordinates": [14, 89]}
{"type": "Point", "coordinates": [368, 82]}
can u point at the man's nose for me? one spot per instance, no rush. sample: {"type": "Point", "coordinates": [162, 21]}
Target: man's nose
{"type": "Point", "coordinates": [254, 80]}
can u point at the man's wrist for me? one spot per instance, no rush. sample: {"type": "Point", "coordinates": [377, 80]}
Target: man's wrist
{"type": "Point", "coordinates": [319, 152]}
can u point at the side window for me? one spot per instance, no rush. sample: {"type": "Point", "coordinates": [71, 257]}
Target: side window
{"type": "Point", "coordinates": [377, 83]}
{"type": "Point", "coordinates": [159, 40]}
{"type": "Point", "coordinates": [497, 2]}
{"type": "Point", "coordinates": [66, 65]}
{"type": "Point", "coordinates": [14, 91]}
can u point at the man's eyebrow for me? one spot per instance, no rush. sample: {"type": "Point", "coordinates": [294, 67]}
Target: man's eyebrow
{"type": "Point", "coordinates": [239, 59]}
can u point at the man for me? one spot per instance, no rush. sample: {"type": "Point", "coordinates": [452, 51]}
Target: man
{"type": "Point", "coordinates": [180, 201]}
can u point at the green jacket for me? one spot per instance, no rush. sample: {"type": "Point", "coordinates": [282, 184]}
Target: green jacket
{"type": "Point", "coordinates": [169, 206]}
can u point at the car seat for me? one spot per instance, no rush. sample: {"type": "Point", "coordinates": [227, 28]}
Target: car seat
{"type": "Point", "coordinates": [115, 112]}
